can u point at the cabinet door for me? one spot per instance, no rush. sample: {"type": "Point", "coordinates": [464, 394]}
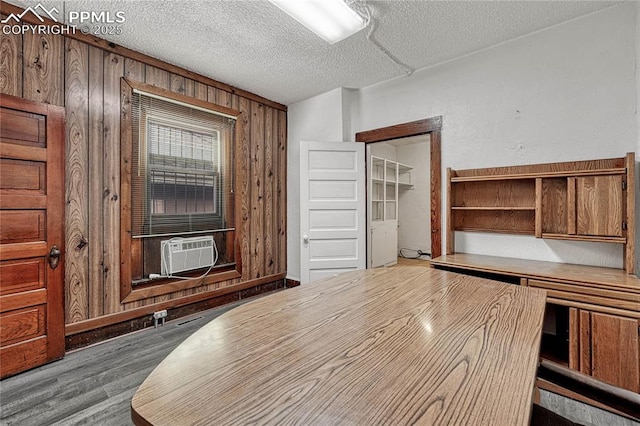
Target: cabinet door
{"type": "Point", "coordinates": [599, 205]}
{"type": "Point", "coordinates": [614, 350]}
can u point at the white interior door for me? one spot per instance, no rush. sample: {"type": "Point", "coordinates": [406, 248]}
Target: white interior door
{"type": "Point", "coordinates": [332, 209]}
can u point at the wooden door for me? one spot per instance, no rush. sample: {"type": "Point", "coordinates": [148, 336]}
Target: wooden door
{"type": "Point", "coordinates": [614, 350]}
{"type": "Point", "coordinates": [32, 140]}
{"type": "Point", "coordinates": [332, 209]}
{"type": "Point", "coordinates": [599, 205]}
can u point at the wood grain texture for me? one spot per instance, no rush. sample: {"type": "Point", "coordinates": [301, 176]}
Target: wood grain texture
{"type": "Point", "coordinates": [269, 198]}
{"type": "Point", "coordinates": [32, 323]}
{"type": "Point", "coordinates": [554, 205]}
{"type": "Point", "coordinates": [282, 191]}
{"type": "Point", "coordinates": [43, 67]}
{"type": "Point", "coordinates": [413, 128]}
{"type": "Point", "coordinates": [243, 187]}
{"type": "Point", "coordinates": [94, 206]}
{"type": "Point", "coordinates": [435, 186]}
{"type": "Point", "coordinates": [77, 180]}
{"type": "Point", "coordinates": [568, 168]}
{"type": "Point", "coordinates": [157, 77]}
{"type": "Point", "coordinates": [591, 276]}
{"type": "Point", "coordinates": [599, 205]}
{"type": "Point", "coordinates": [113, 71]}
{"type": "Point", "coordinates": [10, 63]}
{"type": "Point", "coordinates": [630, 214]}
{"type": "Point", "coordinates": [366, 347]}
{"type": "Point", "coordinates": [257, 183]}
{"type": "Point", "coordinates": [615, 356]}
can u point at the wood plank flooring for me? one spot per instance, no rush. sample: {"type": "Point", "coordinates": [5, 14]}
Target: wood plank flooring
{"type": "Point", "coordinates": [94, 385]}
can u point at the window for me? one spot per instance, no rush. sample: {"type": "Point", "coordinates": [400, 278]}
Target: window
{"type": "Point", "coordinates": [180, 160]}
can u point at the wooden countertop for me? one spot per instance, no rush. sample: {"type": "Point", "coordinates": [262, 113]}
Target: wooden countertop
{"type": "Point", "coordinates": [610, 278]}
{"type": "Point", "coordinates": [402, 345]}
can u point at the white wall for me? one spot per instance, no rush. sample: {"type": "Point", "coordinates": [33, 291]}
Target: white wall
{"type": "Point", "coordinates": [566, 93]}
{"type": "Point", "coordinates": [414, 205]}
{"type": "Point", "coordinates": [382, 149]}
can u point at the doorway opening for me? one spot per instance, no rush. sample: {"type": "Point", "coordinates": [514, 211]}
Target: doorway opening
{"type": "Point", "coordinates": [385, 191]}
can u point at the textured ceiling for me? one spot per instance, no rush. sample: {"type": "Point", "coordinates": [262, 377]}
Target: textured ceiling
{"type": "Point", "coordinates": [253, 45]}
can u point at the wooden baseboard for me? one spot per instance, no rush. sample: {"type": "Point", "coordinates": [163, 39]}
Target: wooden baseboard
{"type": "Point", "coordinates": [291, 283]}
{"type": "Point", "coordinates": [142, 318]}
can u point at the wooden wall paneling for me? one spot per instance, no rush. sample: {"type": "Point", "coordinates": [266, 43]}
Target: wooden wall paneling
{"type": "Point", "coordinates": [113, 71]}
{"type": "Point", "coordinates": [76, 181]}
{"type": "Point", "coordinates": [223, 98]}
{"type": "Point", "coordinates": [242, 187]}
{"type": "Point", "coordinates": [177, 83]}
{"type": "Point", "coordinates": [257, 189]}
{"type": "Point", "coordinates": [135, 71]}
{"type": "Point", "coordinates": [43, 65]}
{"type": "Point", "coordinates": [282, 191]}
{"type": "Point", "coordinates": [200, 91]}
{"type": "Point", "coordinates": [96, 182]}
{"type": "Point", "coordinates": [157, 77]}
{"type": "Point", "coordinates": [268, 192]}
{"type": "Point", "coordinates": [189, 87]}
{"type": "Point", "coordinates": [211, 94]}
{"type": "Point", "coordinates": [10, 63]}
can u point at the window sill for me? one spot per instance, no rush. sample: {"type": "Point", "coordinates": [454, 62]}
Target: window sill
{"type": "Point", "coordinates": [178, 285]}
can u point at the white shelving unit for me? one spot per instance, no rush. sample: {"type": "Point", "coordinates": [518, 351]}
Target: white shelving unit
{"type": "Point", "coordinates": [386, 179]}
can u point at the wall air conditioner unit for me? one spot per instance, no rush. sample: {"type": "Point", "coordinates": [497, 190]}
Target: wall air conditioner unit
{"type": "Point", "coordinates": [185, 254]}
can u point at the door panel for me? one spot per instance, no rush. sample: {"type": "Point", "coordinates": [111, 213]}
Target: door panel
{"type": "Point", "coordinates": [332, 210]}
{"type": "Point", "coordinates": [599, 205]}
{"type": "Point", "coordinates": [31, 222]}
{"type": "Point", "coordinates": [614, 350]}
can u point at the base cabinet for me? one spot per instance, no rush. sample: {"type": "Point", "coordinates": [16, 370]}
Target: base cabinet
{"type": "Point", "coordinates": [605, 347]}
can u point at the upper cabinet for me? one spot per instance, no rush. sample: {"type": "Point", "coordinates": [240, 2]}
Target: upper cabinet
{"type": "Point", "coordinates": [581, 200]}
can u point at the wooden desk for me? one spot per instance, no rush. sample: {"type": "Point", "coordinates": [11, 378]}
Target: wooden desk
{"type": "Point", "coordinates": [403, 345]}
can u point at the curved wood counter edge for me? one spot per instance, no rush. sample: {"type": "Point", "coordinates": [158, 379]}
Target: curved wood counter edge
{"type": "Point", "coordinates": [403, 344]}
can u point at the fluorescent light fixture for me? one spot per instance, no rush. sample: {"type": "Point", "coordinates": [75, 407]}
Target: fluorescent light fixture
{"type": "Point", "coordinates": [332, 20]}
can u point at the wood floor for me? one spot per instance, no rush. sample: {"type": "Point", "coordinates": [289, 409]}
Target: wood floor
{"type": "Point", "coordinates": [94, 386]}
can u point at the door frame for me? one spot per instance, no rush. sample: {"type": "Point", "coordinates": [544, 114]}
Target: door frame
{"type": "Point", "coordinates": [433, 127]}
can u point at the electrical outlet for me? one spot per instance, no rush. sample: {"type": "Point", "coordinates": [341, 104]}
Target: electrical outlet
{"type": "Point", "coordinates": [160, 314]}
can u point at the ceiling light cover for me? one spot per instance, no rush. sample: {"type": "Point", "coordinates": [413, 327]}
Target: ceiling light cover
{"type": "Point", "coordinates": [332, 20]}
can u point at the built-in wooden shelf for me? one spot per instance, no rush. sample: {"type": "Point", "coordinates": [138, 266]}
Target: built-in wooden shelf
{"type": "Point", "coordinates": [590, 201]}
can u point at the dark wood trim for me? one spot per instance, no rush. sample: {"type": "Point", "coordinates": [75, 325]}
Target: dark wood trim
{"type": "Point", "coordinates": [403, 130]}
{"type": "Point", "coordinates": [436, 193]}
{"type": "Point", "coordinates": [291, 283]}
{"type": "Point", "coordinates": [92, 336]}
{"type": "Point", "coordinates": [160, 289]}
{"type": "Point", "coordinates": [433, 127]}
{"type": "Point", "coordinates": [155, 90]}
{"type": "Point", "coordinates": [106, 320]}
{"type": "Point", "coordinates": [617, 399]}
{"type": "Point", "coordinates": [7, 9]}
